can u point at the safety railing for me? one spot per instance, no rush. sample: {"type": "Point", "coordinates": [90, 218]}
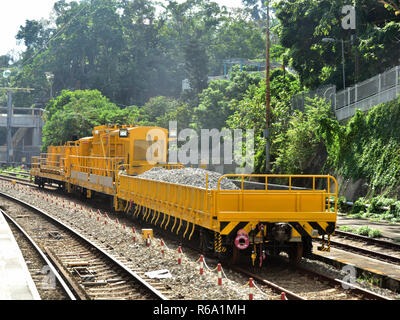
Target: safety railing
{"type": "Point", "coordinates": [35, 162]}
{"type": "Point", "coordinates": [372, 88]}
{"type": "Point", "coordinates": [181, 202]}
{"type": "Point", "coordinates": [364, 95]}
{"type": "Point", "coordinates": [292, 202]}
{"type": "Point", "coordinates": [50, 162]}
{"type": "Point", "coordinates": [208, 207]}
{"type": "Point", "coordinates": [103, 166]}
{"type": "Point", "coordinates": [23, 111]}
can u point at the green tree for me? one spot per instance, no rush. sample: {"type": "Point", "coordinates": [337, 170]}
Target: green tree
{"type": "Point", "coordinates": [218, 101]}
{"type": "Point", "coordinates": [250, 113]}
{"type": "Point", "coordinates": [156, 108]}
{"type": "Point", "coordinates": [236, 37]}
{"type": "Point", "coordinates": [304, 23]}
{"type": "Point", "coordinates": [258, 8]}
{"type": "Point", "coordinates": [182, 114]}
{"type": "Point", "coordinates": [305, 142]}
{"type": "Point", "coordinates": [196, 65]}
{"type": "Point", "coordinates": [4, 65]}
{"type": "Point", "coordinates": [131, 50]}
{"type": "Point", "coordinates": [35, 34]}
{"type": "Point", "coordinates": [75, 113]}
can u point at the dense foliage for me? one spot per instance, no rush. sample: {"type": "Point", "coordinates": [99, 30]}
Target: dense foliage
{"type": "Point", "coordinates": [369, 148]}
{"type": "Point", "coordinates": [131, 51]}
{"type": "Point", "coordinates": [366, 147]}
{"type": "Point", "coordinates": [370, 49]}
{"type": "Point", "coordinates": [73, 115]}
{"type": "Point", "coordinates": [250, 113]}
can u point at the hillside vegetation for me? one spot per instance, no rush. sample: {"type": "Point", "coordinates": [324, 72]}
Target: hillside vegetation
{"type": "Point", "coordinates": [367, 147]}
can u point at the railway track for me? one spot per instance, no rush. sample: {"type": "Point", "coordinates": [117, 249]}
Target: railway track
{"type": "Point", "coordinates": [116, 240]}
{"type": "Point", "coordinates": [370, 247]}
{"type": "Point", "coordinates": [299, 283]}
{"type": "Point", "coordinates": [292, 283]}
{"type": "Point", "coordinates": [48, 280]}
{"type": "Point", "coordinates": [14, 174]}
{"type": "Point", "coordinates": [90, 271]}
{"type": "Point", "coordinates": [24, 181]}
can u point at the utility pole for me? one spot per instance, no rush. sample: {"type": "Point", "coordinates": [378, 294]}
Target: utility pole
{"type": "Point", "coordinates": [267, 97]}
{"type": "Point", "coordinates": [343, 62]}
{"type": "Point", "coordinates": [9, 115]}
{"type": "Point", "coordinates": [343, 66]}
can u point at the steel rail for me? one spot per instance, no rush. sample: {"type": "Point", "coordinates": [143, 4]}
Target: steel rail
{"type": "Point", "coordinates": [373, 241]}
{"type": "Point", "coordinates": [23, 181]}
{"type": "Point", "coordinates": [26, 174]}
{"type": "Point", "coordinates": [43, 256]}
{"type": "Point", "coordinates": [365, 252]}
{"type": "Point", "coordinates": [8, 177]}
{"type": "Point", "coordinates": [334, 281]}
{"type": "Point", "coordinates": [338, 282]}
{"type": "Point", "coordinates": [133, 274]}
{"type": "Point", "coordinates": [278, 289]}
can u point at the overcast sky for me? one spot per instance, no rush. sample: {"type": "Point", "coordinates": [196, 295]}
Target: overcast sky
{"type": "Point", "coordinates": [15, 12]}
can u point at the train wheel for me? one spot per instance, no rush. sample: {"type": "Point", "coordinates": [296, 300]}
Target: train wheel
{"type": "Point", "coordinates": [235, 255]}
{"type": "Point", "coordinates": [307, 246]}
{"type": "Point", "coordinates": [295, 252]}
{"type": "Point", "coordinates": [206, 243]}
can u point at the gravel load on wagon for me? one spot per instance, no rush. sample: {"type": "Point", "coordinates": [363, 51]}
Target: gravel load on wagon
{"type": "Point", "coordinates": [195, 177]}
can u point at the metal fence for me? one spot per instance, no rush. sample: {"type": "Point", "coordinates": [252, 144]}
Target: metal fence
{"type": "Point", "coordinates": [382, 88]}
{"type": "Point", "coordinates": [325, 92]}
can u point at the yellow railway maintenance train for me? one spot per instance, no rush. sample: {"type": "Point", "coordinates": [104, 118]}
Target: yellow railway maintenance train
{"type": "Point", "coordinates": [253, 221]}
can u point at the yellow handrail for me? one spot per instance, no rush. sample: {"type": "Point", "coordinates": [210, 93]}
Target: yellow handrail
{"type": "Point", "coordinates": [266, 176]}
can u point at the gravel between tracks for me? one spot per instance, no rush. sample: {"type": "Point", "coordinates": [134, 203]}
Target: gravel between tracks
{"type": "Point", "coordinates": [185, 282]}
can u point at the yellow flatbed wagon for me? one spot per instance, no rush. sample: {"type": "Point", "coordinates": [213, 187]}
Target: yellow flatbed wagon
{"type": "Point", "coordinates": [237, 219]}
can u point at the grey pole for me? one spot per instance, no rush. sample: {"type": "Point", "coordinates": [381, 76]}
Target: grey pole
{"type": "Point", "coordinates": [342, 41]}
{"type": "Point", "coordinates": [344, 76]}
{"type": "Point", "coordinates": [9, 115]}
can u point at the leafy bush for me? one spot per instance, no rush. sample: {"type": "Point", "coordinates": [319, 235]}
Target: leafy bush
{"type": "Point", "coordinates": [310, 134]}
{"type": "Point", "coordinates": [363, 231]}
{"type": "Point", "coordinates": [368, 232]}
{"type": "Point", "coordinates": [341, 204]}
{"type": "Point", "coordinates": [346, 229]}
{"type": "Point", "coordinates": [358, 206]}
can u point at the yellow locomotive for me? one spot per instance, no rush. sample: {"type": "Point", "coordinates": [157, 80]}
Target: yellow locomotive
{"type": "Point", "coordinates": [253, 221]}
